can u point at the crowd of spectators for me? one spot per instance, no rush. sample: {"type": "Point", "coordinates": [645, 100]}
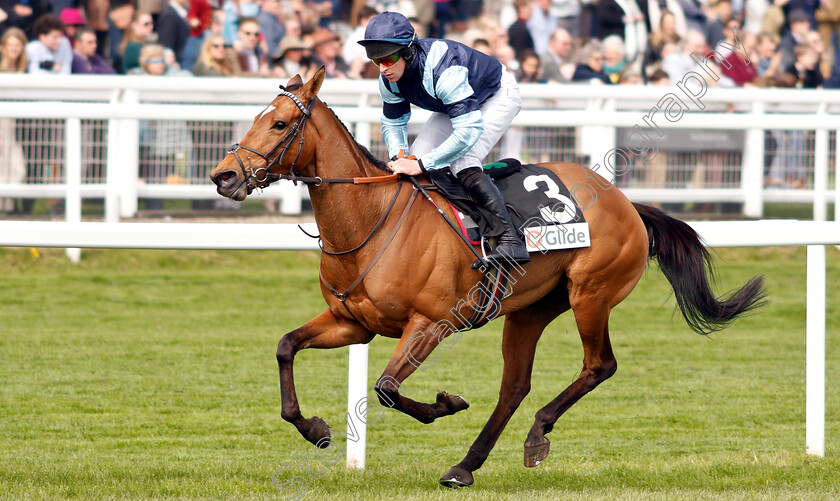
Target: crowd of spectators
{"type": "Point", "coordinates": [788, 43]}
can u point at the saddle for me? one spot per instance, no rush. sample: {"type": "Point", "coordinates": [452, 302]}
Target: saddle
{"type": "Point", "coordinates": [535, 198]}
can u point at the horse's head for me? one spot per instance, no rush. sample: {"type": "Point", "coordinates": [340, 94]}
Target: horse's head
{"type": "Point", "coordinates": [274, 146]}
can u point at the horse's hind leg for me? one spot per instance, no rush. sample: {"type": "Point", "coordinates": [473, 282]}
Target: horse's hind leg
{"type": "Point", "coordinates": [519, 341]}
{"type": "Point", "coordinates": [419, 339]}
{"type": "Point", "coordinates": [592, 316]}
{"type": "Point", "coordinates": [323, 331]}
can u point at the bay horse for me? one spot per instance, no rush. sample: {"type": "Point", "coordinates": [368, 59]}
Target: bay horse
{"type": "Point", "coordinates": [402, 272]}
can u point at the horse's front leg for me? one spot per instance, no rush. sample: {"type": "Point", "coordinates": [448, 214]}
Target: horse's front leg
{"type": "Point", "coordinates": [323, 331]}
{"type": "Point", "coordinates": [418, 340]}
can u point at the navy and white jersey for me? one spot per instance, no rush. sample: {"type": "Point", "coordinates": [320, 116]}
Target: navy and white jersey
{"type": "Point", "coordinates": [445, 77]}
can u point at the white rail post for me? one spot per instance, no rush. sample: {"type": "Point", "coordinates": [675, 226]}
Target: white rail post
{"type": "Point", "coordinates": [815, 352]}
{"type": "Point", "coordinates": [129, 158]}
{"type": "Point", "coordinates": [73, 179]}
{"type": "Point", "coordinates": [820, 170]}
{"type": "Point", "coordinates": [356, 391]}
{"type": "Point", "coordinates": [837, 176]}
{"type": "Point", "coordinates": [112, 167]}
{"type": "Point", "coordinates": [357, 380]}
{"type": "Point", "coordinates": [752, 179]}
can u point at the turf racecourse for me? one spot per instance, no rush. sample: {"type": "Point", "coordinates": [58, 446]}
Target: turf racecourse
{"type": "Point", "coordinates": [151, 375]}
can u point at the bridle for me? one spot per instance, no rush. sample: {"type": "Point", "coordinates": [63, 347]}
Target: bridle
{"type": "Point", "coordinates": [285, 142]}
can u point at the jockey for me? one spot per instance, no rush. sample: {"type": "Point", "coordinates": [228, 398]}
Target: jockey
{"type": "Point", "coordinates": [472, 100]}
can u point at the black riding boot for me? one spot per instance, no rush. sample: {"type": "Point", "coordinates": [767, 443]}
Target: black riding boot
{"type": "Point", "coordinates": [510, 245]}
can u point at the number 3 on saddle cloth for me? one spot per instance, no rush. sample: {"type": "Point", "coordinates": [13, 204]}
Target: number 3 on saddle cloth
{"type": "Point", "coordinates": [540, 205]}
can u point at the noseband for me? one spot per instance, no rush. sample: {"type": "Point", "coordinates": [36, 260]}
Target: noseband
{"type": "Point", "coordinates": [285, 142]}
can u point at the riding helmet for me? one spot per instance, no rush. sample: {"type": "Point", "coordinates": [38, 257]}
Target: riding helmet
{"type": "Point", "coordinates": [386, 34]}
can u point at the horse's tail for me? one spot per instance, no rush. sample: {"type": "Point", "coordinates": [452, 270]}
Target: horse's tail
{"type": "Point", "coordinates": [688, 266]}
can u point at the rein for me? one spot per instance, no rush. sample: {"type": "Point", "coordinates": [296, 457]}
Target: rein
{"type": "Point", "coordinates": [264, 174]}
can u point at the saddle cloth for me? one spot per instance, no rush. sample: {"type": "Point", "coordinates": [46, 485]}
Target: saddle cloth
{"type": "Point", "coordinates": [540, 205]}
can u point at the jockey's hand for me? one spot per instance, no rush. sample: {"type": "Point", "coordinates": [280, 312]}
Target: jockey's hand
{"type": "Point", "coordinates": [405, 166]}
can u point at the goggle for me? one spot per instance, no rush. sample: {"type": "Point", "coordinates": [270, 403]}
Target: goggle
{"type": "Point", "coordinates": [387, 60]}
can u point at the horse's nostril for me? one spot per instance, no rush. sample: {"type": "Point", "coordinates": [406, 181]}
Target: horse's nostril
{"type": "Point", "coordinates": [224, 177]}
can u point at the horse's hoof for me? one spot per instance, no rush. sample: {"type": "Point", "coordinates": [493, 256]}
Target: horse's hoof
{"type": "Point", "coordinates": [456, 477]}
{"type": "Point", "coordinates": [536, 454]}
{"type": "Point", "coordinates": [318, 432]}
{"type": "Point", "coordinates": [453, 403]}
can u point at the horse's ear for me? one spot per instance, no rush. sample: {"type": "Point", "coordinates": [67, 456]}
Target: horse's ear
{"type": "Point", "coordinates": [295, 81]}
{"type": "Point", "coordinates": [314, 84]}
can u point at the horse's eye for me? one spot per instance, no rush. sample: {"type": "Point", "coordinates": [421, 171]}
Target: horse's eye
{"type": "Point", "coordinates": [279, 125]}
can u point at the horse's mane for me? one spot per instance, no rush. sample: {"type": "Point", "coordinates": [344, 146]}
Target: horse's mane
{"type": "Point", "coordinates": [379, 164]}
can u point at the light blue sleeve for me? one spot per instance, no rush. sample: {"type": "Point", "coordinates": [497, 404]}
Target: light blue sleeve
{"type": "Point", "coordinates": [395, 133]}
{"type": "Point", "coordinates": [395, 114]}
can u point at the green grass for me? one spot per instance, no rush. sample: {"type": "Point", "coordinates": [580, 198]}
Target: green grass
{"type": "Point", "coordinates": [137, 375]}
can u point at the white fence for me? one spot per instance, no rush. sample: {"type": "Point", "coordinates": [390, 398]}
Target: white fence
{"type": "Point", "coordinates": [814, 234]}
{"type": "Point", "coordinates": [558, 122]}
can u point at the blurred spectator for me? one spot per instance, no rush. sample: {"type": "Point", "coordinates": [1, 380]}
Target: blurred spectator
{"type": "Point", "coordinates": [292, 60]}
{"type": "Point", "coordinates": [252, 57]}
{"type": "Point", "coordinates": [715, 28]}
{"type": "Point", "coordinates": [666, 33]}
{"type": "Point", "coordinates": [507, 56]}
{"type": "Point", "coordinates": [808, 7]}
{"type": "Point", "coordinates": [443, 16]}
{"type": "Point", "coordinates": [813, 39]}
{"type": "Point", "coordinates": [610, 19]}
{"type": "Point", "coordinates": [270, 16]}
{"type": "Point", "coordinates": [591, 64]}
{"type": "Point", "coordinates": [73, 20]}
{"type": "Point", "coordinates": [120, 15]}
{"type": "Point", "coordinates": [137, 35]}
{"type": "Point", "coordinates": [22, 14]}
{"type": "Point", "coordinates": [153, 7]}
{"type": "Point", "coordinates": [660, 79]}
{"type": "Point", "coordinates": [806, 68]}
{"type": "Point", "coordinates": [529, 68]}
{"type": "Point", "coordinates": [541, 25]}
{"type": "Point", "coordinates": [353, 53]}
{"type": "Point", "coordinates": [769, 58]}
{"type": "Point", "coordinates": [482, 45]}
{"type": "Point", "coordinates": [172, 27]}
{"type": "Point", "coordinates": [12, 51]}
{"type": "Point", "coordinates": [352, 50]}
{"type": "Point", "coordinates": [828, 26]}
{"type": "Point", "coordinates": [518, 35]}
{"type": "Point", "coordinates": [96, 12]}
{"type": "Point", "coordinates": [833, 81]}
{"type": "Point", "coordinates": [678, 63]}
{"type": "Point", "coordinates": [12, 163]}
{"type": "Point", "coordinates": [567, 13]}
{"type": "Point", "coordinates": [557, 55]}
{"type": "Point", "coordinates": [85, 58]}
{"type": "Point", "coordinates": [199, 17]}
{"type": "Point", "coordinates": [156, 60]}
{"type": "Point", "coordinates": [800, 25]}
{"type": "Point", "coordinates": [614, 62]}
{"type": "Point", "coordinates": [666, 23]}
{"type": "Point", "coordinates": [231, 21]}
{"type": "Point", "coordinates": [743, 73]}
{"type": "Point", "coordinates": [50, 52]}
{"type": "Point", "coordinates": [327, 47]}
{"type": "Point", "coordinates": [695, 15]}
{"type": "Point", "coordinates": [216, 60]}
{"type": "Point", "coordinates": [753, 15]}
